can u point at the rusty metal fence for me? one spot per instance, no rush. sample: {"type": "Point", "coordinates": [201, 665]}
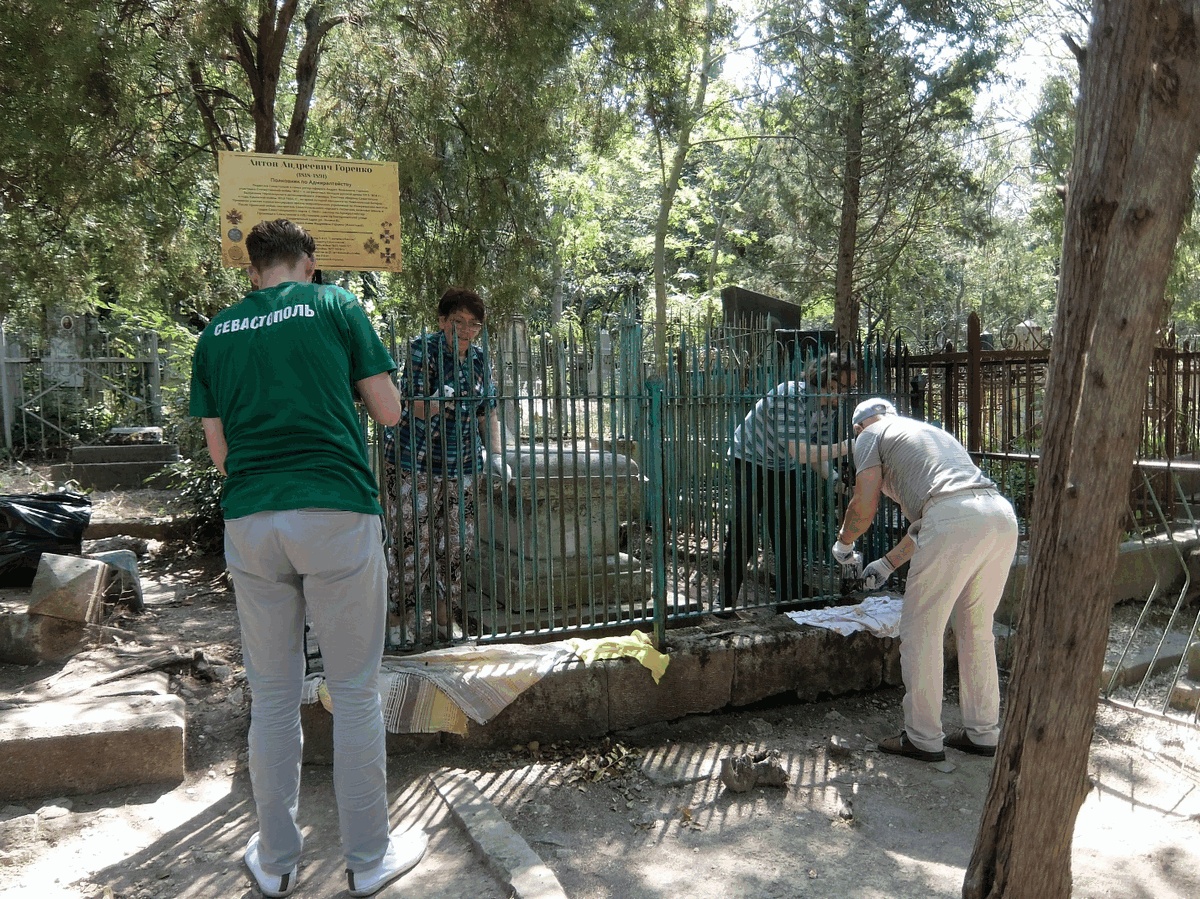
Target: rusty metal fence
{"type": "Point", "coordinates": [1152, 663]}
{"type": "Point", "coordinates": [991, 398]}
{"type": "Point", "coordinates": [52, 399]}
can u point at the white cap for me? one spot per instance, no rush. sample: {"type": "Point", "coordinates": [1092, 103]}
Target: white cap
{"type": "Point", "coordinates": [874, 406]}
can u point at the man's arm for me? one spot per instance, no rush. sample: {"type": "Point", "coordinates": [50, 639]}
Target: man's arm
{"type": "Point", "coordinates": [381, 398]}
{"type": "Point", "coordinates": [868, 485]}
{"type": "Point", "coordinates": [214, 437]}
{"type": "Point", "coordinates": [901, 552]}
{"type": "Point", "coordinates": [819, 453]}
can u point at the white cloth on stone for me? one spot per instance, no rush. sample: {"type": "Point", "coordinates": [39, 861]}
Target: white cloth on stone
{"type": "Point", "coordinates": [878, 614]}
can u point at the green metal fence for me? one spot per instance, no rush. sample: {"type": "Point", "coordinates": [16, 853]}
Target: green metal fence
{"type": "Point", "coordinates": [609, 507]}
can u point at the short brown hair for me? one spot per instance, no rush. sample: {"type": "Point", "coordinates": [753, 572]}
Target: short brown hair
{"type": "Point", "coordinates": [826, 367]}
{"type": "Point", "coordinates": [456, 298]}
{"type": "Point", "coordinates": [269, 243]}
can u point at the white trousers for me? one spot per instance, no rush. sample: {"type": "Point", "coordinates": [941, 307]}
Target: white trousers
{"type": "Point", "coordinates": [965, 548]}
{"type": "Point", "coordinates": [332, 564]}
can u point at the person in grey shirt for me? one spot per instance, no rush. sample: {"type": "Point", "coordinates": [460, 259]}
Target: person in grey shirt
{"type": "Point", "coordinates": [787, 428]}
{"type": "Point", "coordinates": [961, 540]}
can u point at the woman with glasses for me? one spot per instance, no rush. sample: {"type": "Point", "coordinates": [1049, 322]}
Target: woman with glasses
{"type": "Point", "coordinates": [792, 426]}
{"type": "Point", "coordinates": [434, 457]}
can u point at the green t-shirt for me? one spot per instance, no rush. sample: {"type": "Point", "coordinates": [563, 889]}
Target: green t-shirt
{"type": "Point", "coordinates": [278, 369]}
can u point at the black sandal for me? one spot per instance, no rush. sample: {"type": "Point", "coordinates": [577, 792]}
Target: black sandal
{"type": "Point", "coordinates": [958, 739]}
{"type": "Point", "coordinates": [901, 745]}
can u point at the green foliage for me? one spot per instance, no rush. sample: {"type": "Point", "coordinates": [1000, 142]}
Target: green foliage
{"type": "Point", "coordinates": [537, 146]}
{"type": "Point", "coordinates": [199, 485]}
{"type": "Point", "coordinates": [884, 89]}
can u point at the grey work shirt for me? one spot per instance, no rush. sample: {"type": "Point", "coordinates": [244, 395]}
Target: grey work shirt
{"type": "Point", "coordinates": [919, 462]}
{"type": "Point", "coordinates": [776, 421]}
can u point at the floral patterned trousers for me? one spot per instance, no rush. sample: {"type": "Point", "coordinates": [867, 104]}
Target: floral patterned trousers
{"type": "Point", "coordinates": [432, 523]}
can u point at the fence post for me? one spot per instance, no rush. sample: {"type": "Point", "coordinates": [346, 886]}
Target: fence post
{"type": "Point", "coordinates": [154, 381]}
{"type": "Point", "coordinates": [6, 402]}
{"type": "Point", "coordinates": [974, 385]}
{"type": "Point", "coordinates": [656, 488]}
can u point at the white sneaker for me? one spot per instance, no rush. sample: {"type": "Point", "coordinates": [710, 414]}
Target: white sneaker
{"type": "Point", "coordinates": [403, 853]}
{"type": "Point", "coordinates": [270, 884]}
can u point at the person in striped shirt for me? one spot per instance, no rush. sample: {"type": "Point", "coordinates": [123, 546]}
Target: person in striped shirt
{"type": "Point", "coordinates": [961, 541]}
{"type": "Point", "coordinates": [786, 429]}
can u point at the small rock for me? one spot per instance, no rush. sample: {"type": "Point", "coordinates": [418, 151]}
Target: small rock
{"type": "Point", "coordinates": [221, 672]}
{"type": "Point", "coordinates": [50, 812]}
{"type": "Point", "coordinates": [839, 748]}
{"type": "Point", "coordinates": [945, 767]}
{"type": "Point", "coordinates": [16, 833]}
{"type": "Point", "coordinates": [761, 727]}
{"type": "Point", "coordinates": [236, 696]}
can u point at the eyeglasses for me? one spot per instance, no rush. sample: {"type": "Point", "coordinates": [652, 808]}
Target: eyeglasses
{"type": "Point", "coordinates": [466, 325]}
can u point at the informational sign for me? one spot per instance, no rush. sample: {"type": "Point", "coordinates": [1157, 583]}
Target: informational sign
{"type": "Point", "coordinates": [351, 207]}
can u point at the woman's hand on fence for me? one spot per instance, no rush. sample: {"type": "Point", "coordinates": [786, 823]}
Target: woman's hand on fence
{"type": "Point", "coordinates": [497, 467]}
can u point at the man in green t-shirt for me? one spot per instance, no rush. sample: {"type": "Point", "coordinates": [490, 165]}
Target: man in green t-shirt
{"type": "Point", "coordinates": [275, 379]}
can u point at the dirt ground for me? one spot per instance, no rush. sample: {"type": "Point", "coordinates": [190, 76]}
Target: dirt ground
{"type": "Point", "coordinates": [642, 814]}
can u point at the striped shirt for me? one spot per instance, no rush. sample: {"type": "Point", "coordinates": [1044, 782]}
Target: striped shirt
{"type": "Point", "coordinates": [919, 462]}
{"type": "Point", "coordinates": [776, 420]}
{"type": "Point", "coordinates": [448, 444]}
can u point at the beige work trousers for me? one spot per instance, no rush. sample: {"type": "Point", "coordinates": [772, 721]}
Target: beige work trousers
{"type": "Point", "coordinates": [965, 548]}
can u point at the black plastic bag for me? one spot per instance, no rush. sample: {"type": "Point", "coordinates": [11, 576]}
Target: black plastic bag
{"type": "Point", "coordinates": [31, 524]}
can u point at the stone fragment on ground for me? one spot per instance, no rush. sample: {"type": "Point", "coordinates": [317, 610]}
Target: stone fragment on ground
{"type": "Point", "coordinates": [127, 581]}
{"type": "Point", "coordinates": [139, 546]}
{"type": "Point", "coordinates": [89, 744]}
{"type": "Point", "coordinates": [745, 772]}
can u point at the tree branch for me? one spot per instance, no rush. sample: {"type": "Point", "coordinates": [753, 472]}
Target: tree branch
{"type": "Point", "coordinates": [207, 113]}
{"type": "Point", "coordinates": [306, 74]}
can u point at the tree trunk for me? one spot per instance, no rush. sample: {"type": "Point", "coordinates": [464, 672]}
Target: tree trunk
{"type": "Point", "coordinates": [260, 54]}
{"type": "Point", "coordinates": [306, 74]}
{"type": "Point", "coordinates": [1135, 150]}
{"type": "Point", "coordinates": [845, 303]}
{"type": "Point", "coordinates": [670, 187]}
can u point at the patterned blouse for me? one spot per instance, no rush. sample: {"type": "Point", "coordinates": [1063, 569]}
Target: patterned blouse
{"type": "Point", "coordinates": [448, 444]}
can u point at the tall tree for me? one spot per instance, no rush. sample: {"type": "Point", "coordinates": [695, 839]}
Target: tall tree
{"type": "Point", "coordinates": [873, 90]}
{"type": "Point", "coordinates": [261, 41]}
{"type": "Point", "coordinates": [1129, 192]}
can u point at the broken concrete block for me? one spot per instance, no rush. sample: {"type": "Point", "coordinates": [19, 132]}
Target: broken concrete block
{"type": "Point", "coordinates": [1186, 696]}
{"type": "Point", "coordinates": [33, 639]}
{"type": "Point", "coordinates": [68, 587]}
{"type": "Point", "coordinates": [86, 745]}
{"type": "Point", "coordinates": [139, 546]}
{"type": "Point", "coordinates": [124, 561]}
{"type": "Point", "coordinates": [1153, 659]}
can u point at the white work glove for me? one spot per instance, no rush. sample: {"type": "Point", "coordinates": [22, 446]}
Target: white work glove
{"type": "Point", "coordinates": [842, 552]}
{"type": "Point", "coordinates": [877, 573]}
